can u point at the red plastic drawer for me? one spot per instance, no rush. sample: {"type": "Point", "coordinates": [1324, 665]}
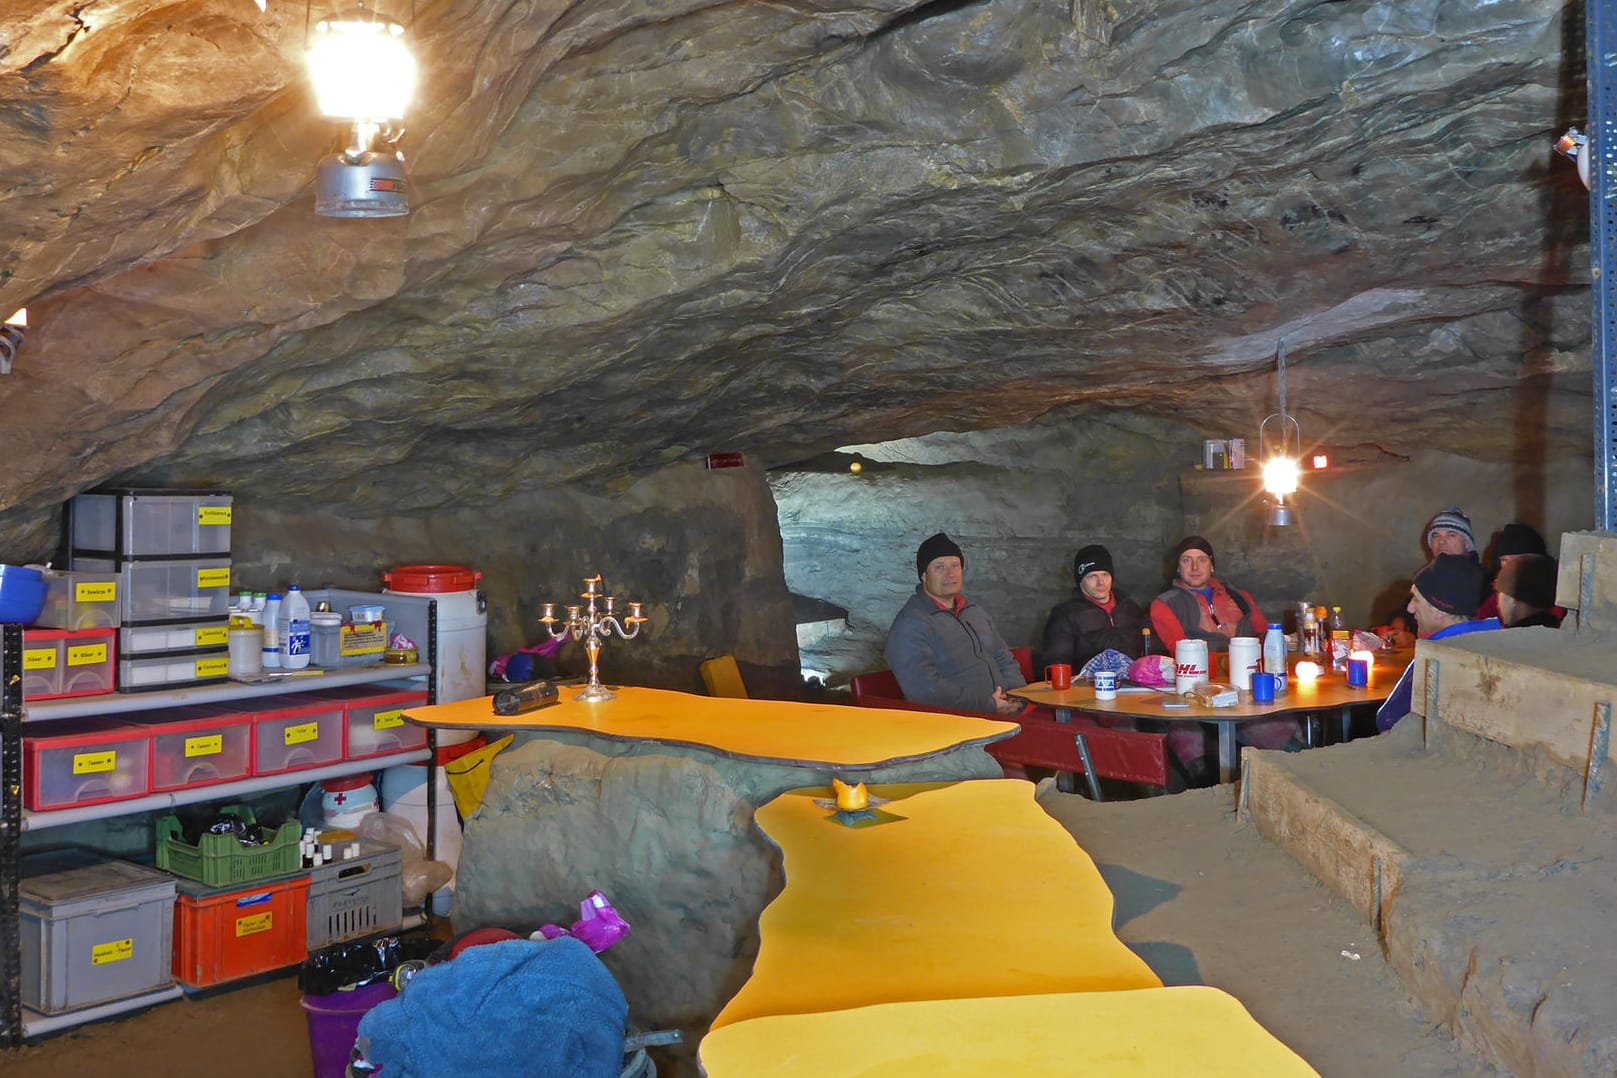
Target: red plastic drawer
{"type": "Point", "coordinates": [304, 732]}
{"type": "Point", "coordinates": [200, 746]}
{"type": "Point", "coordinates": [374, 722]}
{"type": "Point", "coordinates": [85, 762]}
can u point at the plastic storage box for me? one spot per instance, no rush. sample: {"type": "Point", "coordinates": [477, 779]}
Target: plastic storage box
{"type": "Point", "coordinates": [85, 762]}
{"type": "Point", "coordinates": [359, 896]}
{"type": "Point", "coordinates": [157, 592]}
{"type": "Point", "coordinates": [304, 731]}
{"type": "Point", "coordinates": [93, 930]}
{"type": "Point", "coordinates": [219, 860]}
{"type": "Point", "coordinates": [224, 934]}
{"type": "Point", "coordinates": [80, 601]}
{"type": "Point", "coordinates": [64, 662]}
{"type": "Point", "coordinates": [173, 671]}
{"type": "Point", "coordinates": [142, 523]}
{"type": "Point", "coordinates": [200, 746]}
{"type": "Point", "coordinates": [374, 720]}
{"type": "Point", "coordinates": [209, 635]}
{"type": "Point", "coordinates": [348, 644]}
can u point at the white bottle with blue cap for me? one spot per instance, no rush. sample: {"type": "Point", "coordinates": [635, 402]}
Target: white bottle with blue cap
{"type": "Point", "coordinates": [272, 631]}
{"type": "Point", "coordinates": [295, 631]}
{"type": "Point", "coordinates": [1274, 656]}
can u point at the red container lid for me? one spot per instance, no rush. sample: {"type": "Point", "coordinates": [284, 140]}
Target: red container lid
{"type": "Point", "coordinates": [345, 782]}
{"type": "Point", "coordinates": [430, 579]}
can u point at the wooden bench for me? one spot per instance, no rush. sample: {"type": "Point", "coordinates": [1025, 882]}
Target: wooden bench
{"type": "Point", "coordinates": [1082, 747]}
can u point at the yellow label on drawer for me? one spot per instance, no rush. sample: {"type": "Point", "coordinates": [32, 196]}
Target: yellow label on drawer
{"type": "Point", "coordinates": [258, 922]}
{"type": "Point", "coordinates": [112, 951]}
{"type": "Point", "coordinates": [304, 731]}
{"type": "Point", "coordinates": [104, 592]}
{"type": "Point", "coordinates": [206, 745]}
{"type": "Point", "coordinates": [39, 659]}
{"type": "Point", "coordinates": [213, 578]}
{"type": "Point", "coordinates": [94, 763]}
{"type": "Point", "coordinates": [216, 636]}
{"type": "Point", "coordinates": [213, 514]}
{"type": "Point", "coordinates": [387, 720]}
{"type": "Point", "coordinates": [213, 667]}
{"type": "Point", "coordinates": [87, 655]}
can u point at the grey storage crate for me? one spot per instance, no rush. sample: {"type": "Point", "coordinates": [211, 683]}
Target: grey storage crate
{"type": "Point", "coordinates": [356, 897]}
{"type": "Point", "coordinates": [93, 930]}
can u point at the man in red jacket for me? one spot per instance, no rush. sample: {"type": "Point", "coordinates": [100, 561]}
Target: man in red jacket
{"type": "Point", "coordinates": [1198, 607]}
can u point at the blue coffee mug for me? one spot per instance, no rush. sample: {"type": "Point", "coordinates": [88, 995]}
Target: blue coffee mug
{"type": "Point", "coordinates": [1263, 688]}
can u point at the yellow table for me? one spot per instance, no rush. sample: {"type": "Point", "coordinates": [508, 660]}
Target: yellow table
{"type": "Point", "coordinates": [830, 735]}
{"type": "Point", "coordinates": [1329, 693]}
{"type": "Point", "coordinates": [1147, 1033]}
{"type": "Point", "coordinates": [975, 892]}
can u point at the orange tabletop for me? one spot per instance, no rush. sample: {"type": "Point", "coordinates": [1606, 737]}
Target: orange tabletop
{"type": "Point", "coordinates": [855, 738]}
{"type": "Point", "coordinates": [976, 891]}
{"type": "Point", "coordinates": [1145, 1033]}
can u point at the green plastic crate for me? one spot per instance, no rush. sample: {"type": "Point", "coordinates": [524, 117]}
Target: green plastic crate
{"type": "Point", "coordinates": [220, 859]}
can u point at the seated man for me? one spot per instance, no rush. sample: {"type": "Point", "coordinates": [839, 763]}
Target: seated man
{"type": "Point", "coordinates": [1444, 600]}
{"type": "Point", "coordinates": [1096, 618]}
{"type": "Point", "coordinates": [1201, 608]}
{"type": "Point", "coordinates": [1449, 532]}
{"type": "Point", "coordinates": [1516, 541]}
{"type": "Point", "coordinates": [1525, 592]}
{"type": "Point", "coordinates": [943, 648]}
{"type": "Point", "coordinates": [1198, 607]}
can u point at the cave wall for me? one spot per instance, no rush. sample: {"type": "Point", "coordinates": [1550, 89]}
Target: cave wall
{"type": "Point", "coordinates": [1020, 501]}
{"type": "Point", "coordinates": [700, 549]}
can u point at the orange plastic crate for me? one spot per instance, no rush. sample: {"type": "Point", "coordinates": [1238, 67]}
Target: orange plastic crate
{"type": "Point", "coordinates": [224, 934]}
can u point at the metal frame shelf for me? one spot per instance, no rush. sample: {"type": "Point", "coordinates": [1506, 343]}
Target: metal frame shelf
{"type": "Point", "coordinates": [414, 615]}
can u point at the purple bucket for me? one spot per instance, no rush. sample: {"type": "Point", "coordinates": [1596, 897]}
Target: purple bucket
{"type": "Point", "coordinates": [334, 1024]}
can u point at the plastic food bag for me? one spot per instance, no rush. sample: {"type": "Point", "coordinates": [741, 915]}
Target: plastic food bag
{"type": "Point", "coordinates": [1153, 671]}
{"type": "Point", "coordinates": [421, 876]}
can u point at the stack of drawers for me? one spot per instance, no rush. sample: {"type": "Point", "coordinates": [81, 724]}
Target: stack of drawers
{"type": "Point", "coordinates": [169, 551]}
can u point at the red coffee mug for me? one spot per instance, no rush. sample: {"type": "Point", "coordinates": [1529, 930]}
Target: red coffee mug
{"type": "Point", "coordinates": [1059, 675]}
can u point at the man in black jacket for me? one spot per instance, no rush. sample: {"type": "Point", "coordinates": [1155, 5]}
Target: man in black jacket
{"type": "Point", "coordinates": [1097, 616]}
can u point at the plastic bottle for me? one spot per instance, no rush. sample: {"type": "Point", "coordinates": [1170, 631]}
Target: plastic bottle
{"type": "Point", "coordinates": [272, 631]}
{"type": "Point", "coordinates": [1339, 631]}
{"type": "Point", "coordinates": [295, 630]}
{"type": "Point", "coordinates": [1274, 655]}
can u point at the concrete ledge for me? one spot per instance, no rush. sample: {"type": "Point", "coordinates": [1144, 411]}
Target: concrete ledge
{"type": "Point", "coordinates": [1344, 852]}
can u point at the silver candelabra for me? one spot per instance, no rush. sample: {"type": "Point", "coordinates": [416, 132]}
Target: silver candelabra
{"type": "Point", "coordinates": [593, 626]}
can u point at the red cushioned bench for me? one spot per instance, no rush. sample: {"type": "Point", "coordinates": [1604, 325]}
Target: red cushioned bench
{"type": "Point", "coordinates": [1082, 747]}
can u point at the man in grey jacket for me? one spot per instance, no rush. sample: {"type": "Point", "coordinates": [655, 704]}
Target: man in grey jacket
{"type": "Point", "coordinates": [943, 648]}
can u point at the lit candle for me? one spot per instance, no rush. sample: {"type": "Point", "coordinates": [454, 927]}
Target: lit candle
{"type": "Point", "coordinates": [1307, 673]}
{"type": "Point", "coordinates": [1368, 657]}
{"type": "Point", "coordinates": [850, 798]}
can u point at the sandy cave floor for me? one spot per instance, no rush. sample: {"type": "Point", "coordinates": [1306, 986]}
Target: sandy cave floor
{"type": "Point", "coordinates": [1203, 898]}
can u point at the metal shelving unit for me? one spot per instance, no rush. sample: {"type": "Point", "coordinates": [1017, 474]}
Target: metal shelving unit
{"type": "Point", "coordinates": [415, 615]}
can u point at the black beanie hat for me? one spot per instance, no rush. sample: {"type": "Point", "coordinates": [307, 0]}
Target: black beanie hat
{"type": "Point", "coordinates": [1530, 580]}
{"type": "Point", "coordinates": [938, 546]}
{"type": "Point", "coordinates": [1453, 584]}
{"type": "Point", "coordinates": [1518, 538]}
{"type": "Point", "coordinates": [1093, 558]}
{"type": "Point", "coordinates": [1193, 542]}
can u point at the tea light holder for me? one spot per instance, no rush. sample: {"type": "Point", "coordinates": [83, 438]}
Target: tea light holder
{"type": "Point", "coordinates": [1358, 669]}
{"type": "Point", "coordinates": [593, 627]}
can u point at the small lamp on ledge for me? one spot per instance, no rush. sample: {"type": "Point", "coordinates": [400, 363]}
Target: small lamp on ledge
{"type": "Point", "coordinates": [1280, 450]}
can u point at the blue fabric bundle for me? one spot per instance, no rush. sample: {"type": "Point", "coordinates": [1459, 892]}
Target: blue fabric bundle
{"type": "Point", "coordinates": [505, 1010]}
{"type": "Point", "coordinates": [1110, 659]}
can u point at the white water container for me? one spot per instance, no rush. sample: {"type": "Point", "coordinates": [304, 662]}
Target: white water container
{"type": "Point", "coordinates": [1190, 665]}
{"type": "Point", "coordinates": [404, 793]}
{"type": "Point", "coordinates": [272, 632]}
{"type": "Point", "coordinates": [462, 669]}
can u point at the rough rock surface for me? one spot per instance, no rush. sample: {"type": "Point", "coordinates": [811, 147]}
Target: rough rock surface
{"type": "Point", "coordinates": [642, 232]}
{"type": "Point", "coordinates": [667, 833]}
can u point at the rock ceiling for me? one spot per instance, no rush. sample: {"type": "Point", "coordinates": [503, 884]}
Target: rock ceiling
{"type": "Point", "coordinates": [642, 232]}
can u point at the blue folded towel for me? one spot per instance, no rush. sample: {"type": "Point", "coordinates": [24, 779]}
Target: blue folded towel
{"type": "Point", "coordinates": [515, 1009]}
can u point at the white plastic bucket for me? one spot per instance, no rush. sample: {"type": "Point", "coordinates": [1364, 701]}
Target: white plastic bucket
{"type": "Point", "coordinates": [1189, 665]}
{"type": "Point", "coordinates": [462, 670]}
{"type": "Point", "coordinates": [404, 792]}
